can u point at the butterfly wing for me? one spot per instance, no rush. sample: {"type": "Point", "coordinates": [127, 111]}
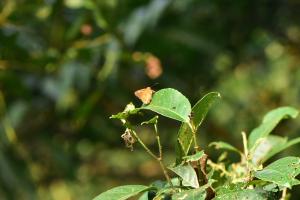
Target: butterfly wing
{"type": "Point", "coordinates": [145, 95]}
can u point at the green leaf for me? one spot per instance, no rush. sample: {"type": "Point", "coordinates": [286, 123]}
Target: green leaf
{"type": "Point", "coordinates": [170, 103]}
{"type": "Point", "coordinates": [224, 145]}
{"type": "Point", "coordinates": [129, 110]}
{"type": "Point", "coordinates": [282, 147]}
{"type": "Point", "coordinates": [122, 192]}
{"type": "Point", "coordinates": [194, 157]}
{"type": "Point", "coordinates": [271, 187]}
{"type": "Point", "coordinates": [194, 194]}
{"type": "Point", "coordinates": [188, 175]}
{"type": "Point", "coordinates": [270, 121]}
{"type": "Point", "coordinates": [282, 172]}
{"type": "Point", "coordinates": [201, 108]}
{"type": "Point", "coordinates": [262, 151]}
{"type": "Point", "coordinates": [199, 111]}
{"type": "Point", "coordinates": [144, 196]}
{"type": "Point", "coordinates": [244, 194]}
{"type": "Point", "coordinates": [270, 146]}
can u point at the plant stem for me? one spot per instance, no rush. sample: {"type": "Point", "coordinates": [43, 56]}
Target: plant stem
{"type": "Point", "coordinates": [158, 141]}
{"type": "Point", "coordinates": [202, 176]}
{"type": "Point", "coordinates": [245, 143]}
{"type": "Point", "coordinates": [283, 196]}
{"type": "Point", "coordinates": [159, 159]}
{"type": "Point", "coordinates": [165, 172]}
{"type": "Point", "coordinates": [246, 155]}
{"type": "Point", "coordinates": [160, 156]}
{"type": "Point", "coordinates": [193, 129]}
{"type": "Point", "coordinates": [219, 167]}
{"type": "Point", "coordinates": [143, 145]}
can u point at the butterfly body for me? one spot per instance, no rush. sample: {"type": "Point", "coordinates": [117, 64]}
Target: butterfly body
{"type": "Point", "coordinates": [145, 94]}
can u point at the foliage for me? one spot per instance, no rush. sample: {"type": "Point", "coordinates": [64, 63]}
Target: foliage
{"type": "Point", "coordinates": [66, 65]}
{"type": "Point", "coordinates": [123, 192]}
{"type": "Point", "coordinates": [246, 179]}
{"type": "Point", "coordinates": [199, 112]}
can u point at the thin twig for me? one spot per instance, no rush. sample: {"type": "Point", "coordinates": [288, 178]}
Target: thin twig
{"type": "Point", "coordinates": [219, 167]}
{"type": "Point", "coordinates": [246, 155]}
{"type": "Point", "coordinates": [201, 178]}
{"type": "Point", "coordinates": [161, 156]}
{"type": "Point", "coordinates": [245, 143]}
{"type": "Point", "coordinates": [193, 129]}
{"type": "Point", "coordinates": [143, 145]}
{"type": "Point", "coordinates": [158, 141]}
{"type": "Point", "coordinates": [165, 172]}
{"type": "Point", "coordinates": [159, 159]}
{"type": "Point", "coordinates": [283, 196]}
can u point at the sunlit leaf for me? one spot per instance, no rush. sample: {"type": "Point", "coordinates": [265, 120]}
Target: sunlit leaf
{"type": "Point", "coordinates": [270, 121]}
{"type": "Point", "coordinates": [264, 148]}
{"type": "Point", "coordinates": [122, 192]}
{"type": "Point", "coordinates": [188, 175]}
{"type": "Point", "coordinates": [170, 103]}
{"type": "Point", "coordinates": [129, 110]}
{"type": "Point", "coordinates": [144, 196]}
{"type": "Point", "coordinates": [272, 187]}
{"type": "Point", "coordinates": [244, 194]}
{"type": "Point", "coordinates": [282, 147]}
{"type": "Point", "coordinates": [224, 145]}
{"type": "Point", "coordinates": [199, 111]}
{"type": "Point", "coordinates": [194, 194]}
{"type": "Point", "coordinates": [194, 157]}
{"type": "Point", "coordinates": [282, 172]}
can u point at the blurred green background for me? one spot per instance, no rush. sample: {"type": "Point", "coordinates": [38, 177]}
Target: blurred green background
{"type": "Point", "coordinates": [67, 65]}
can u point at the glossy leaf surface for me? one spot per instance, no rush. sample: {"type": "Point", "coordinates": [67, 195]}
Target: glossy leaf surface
{"type": "Point", "coordinates": [170, 103]}
{"type": "Point", "coordinates": [122, 192]}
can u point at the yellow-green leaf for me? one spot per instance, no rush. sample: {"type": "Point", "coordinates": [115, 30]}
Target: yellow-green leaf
{"type": "Point", "coordinates": [281, 172]}
{"type": "Point", "coordinates": [170, 103]}
{"type": "Point", "coordinates": [122, 192]}
{"type": "Point", "coordinates": [199, 111]}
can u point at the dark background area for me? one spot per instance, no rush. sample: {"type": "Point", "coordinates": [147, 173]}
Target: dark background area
{"type": "Point", "coordinates": [66, 66]}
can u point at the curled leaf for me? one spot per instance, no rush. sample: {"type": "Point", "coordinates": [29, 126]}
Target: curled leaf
{"type": "Point", "coordinates": [269, 122]}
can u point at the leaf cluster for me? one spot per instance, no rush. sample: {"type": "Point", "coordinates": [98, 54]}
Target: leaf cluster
{"type": "Point", "coordinates": [194, 174]}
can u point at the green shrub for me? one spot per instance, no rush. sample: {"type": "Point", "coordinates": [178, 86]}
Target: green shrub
{"type": "Point", "coordinates": [197, 177]}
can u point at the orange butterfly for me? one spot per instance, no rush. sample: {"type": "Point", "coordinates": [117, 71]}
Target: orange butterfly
{"type": "Point", "coordinates": [145, 94]}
